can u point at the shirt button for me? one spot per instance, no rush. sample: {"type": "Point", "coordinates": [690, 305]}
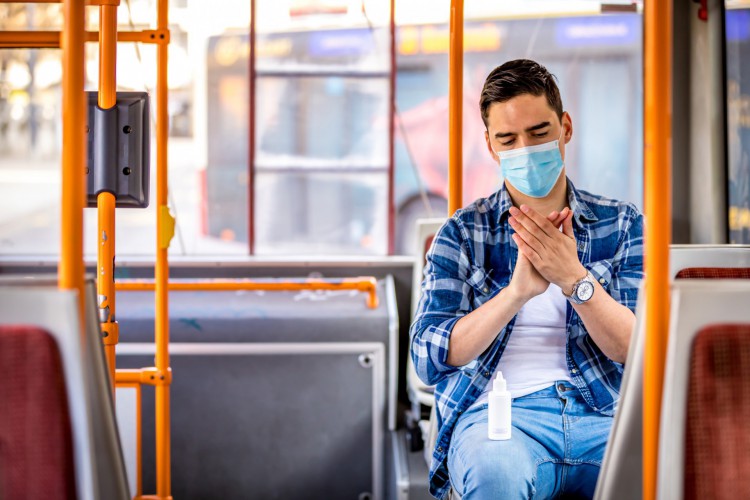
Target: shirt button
{"type": "Point", "coordinates": [560, 387]}
{"type": "Point", "coordinates": [440, 448]}
{"type": "Point", "coordinates": [602, 280]}
{"type": "Point", "coordinates": [486, 374]}
{"type": "Point", "coordinates": [486, 289]}
{"type": "Point", "coordinates": [573, 371]}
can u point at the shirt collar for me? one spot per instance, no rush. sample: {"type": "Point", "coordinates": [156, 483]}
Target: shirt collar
{"type": "Point", "coordinates": [581, 211]}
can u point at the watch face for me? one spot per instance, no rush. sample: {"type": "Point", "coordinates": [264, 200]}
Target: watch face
{"type": "Point", "coordinates": [585, 291]}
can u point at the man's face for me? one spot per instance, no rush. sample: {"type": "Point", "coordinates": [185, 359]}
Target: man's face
{"type": "Point", "coordinates": [525, 120]}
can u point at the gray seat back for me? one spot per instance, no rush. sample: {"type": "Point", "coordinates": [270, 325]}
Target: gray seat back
{"type": "Point", "coordinates": [685, 256]}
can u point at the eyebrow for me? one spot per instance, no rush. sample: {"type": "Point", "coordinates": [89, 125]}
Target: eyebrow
{"type": "Point", "coordinates": [538, 126]}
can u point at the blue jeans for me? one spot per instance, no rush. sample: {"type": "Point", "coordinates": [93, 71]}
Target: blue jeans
{"type": "Point", "coordinates": [556, 447]}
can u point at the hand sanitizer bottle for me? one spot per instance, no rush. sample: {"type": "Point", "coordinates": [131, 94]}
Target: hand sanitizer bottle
{"type": "Point", "coordinates": [498, 409]}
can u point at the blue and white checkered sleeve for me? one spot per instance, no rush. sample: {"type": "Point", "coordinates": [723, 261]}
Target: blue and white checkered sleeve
{"type": "Point", "coordinates": [443, 302]}
{"type": "Point", "coordinates": [627, 266]}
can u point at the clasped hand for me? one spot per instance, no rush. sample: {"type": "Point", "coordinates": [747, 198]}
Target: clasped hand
{"type": "Point", "coordinates": [552, 253]}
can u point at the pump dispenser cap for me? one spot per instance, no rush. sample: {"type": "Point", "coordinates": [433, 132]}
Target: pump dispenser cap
{"type": "Point", "coordinates": [499, 383]}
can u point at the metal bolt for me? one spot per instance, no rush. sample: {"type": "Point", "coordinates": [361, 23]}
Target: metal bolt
{"type": "Point", "coordinates": [365, 360]}
{"type": "Point", "coordinates": [127, 129]}
{"type": "Point", "coordinates": [126, 170]}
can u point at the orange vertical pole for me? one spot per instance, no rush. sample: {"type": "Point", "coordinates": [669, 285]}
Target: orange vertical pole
{"type": "Point", "coordinates": [70, 273]}
{"type": "Point", "coordinates": [658, 165]}
{"type": "Point", "coordinates": [455, 107]}
{"type": "Point", "coordinates": [161, 273]}
{"type": "Point", "coordinates": [106, 200]}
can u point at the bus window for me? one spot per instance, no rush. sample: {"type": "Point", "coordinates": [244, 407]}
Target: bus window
{"type": "Point", "coordinates": [30, 136]}
{"type": "Point", "coordinates": [738, 119]}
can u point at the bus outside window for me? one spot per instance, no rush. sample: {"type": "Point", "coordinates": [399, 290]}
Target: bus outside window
{"type": "Point", "coordinates": [322, 135]}
{"type": "Point", "coordinates": [738, 119]}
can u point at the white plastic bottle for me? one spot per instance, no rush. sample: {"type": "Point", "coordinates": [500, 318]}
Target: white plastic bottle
{"type": "Point", "coordinates": [498, 409]}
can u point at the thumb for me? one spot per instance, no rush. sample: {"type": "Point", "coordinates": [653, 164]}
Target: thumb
{"type": "Point", "coordinates": [568, 225]}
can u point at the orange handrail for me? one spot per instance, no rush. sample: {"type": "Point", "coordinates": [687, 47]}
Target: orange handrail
{"type": "Point", "coordinates": [51, 39]}
{"type": "Point", "coordinates": [362, 284]}
{"type": "Point", "coordinates": [105, 280]}
{"type": "Point", "coordinates": [455, 107]}
{"type": "Point", "coordinates": [658, 197]}
{"type": "Point", "coordinates": [164, 233]}
{"type": "Point", "coordinates": [70, 273]}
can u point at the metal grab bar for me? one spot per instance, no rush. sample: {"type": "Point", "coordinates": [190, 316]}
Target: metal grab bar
{"type": "Point", "coordinates": [363, 284]}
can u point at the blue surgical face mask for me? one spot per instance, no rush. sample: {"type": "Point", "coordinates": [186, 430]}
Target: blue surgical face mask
{"type": "Point", "coordinates": [532, 170]}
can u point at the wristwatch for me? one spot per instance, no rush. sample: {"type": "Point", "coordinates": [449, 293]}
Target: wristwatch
{"type": "Point", "coordinates": [583, 289]}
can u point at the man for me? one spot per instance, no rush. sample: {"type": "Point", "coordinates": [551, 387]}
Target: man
{"type": "Point", "coordinates": [538, 281]}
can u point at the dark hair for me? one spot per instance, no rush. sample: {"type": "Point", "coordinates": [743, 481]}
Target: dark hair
{"type": "Point", "coordinates": [518, 77]}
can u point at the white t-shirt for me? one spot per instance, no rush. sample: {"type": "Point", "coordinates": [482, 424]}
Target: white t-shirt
{"type": "Point", "coordinates": [534, 357]}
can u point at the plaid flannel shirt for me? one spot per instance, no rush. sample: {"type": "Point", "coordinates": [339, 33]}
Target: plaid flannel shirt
{"type": "Point", "coordinates": [472, 258]}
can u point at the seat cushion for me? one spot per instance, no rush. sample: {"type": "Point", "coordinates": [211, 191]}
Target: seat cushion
{"type": "Point", "coordinates": [36, 447]}
{"type": "Point", "coordinates": [717, 462]}
{"type": "Point", "coordinates": [714, 273]}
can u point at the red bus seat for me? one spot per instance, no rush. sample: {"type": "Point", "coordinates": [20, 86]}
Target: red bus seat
{"type": "Point", "coordinates": [717, 433]}
{"type": "Point", "coordinates": [36, 443]}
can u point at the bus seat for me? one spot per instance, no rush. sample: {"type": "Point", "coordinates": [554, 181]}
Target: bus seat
{"type": "Point", "coordinates": [420, 394]}
{"type": "Point", "coordinates": [35, 431]}
{"type": "Point", "coordinates": [97, 457]}
{"type": "Point", "coordinates": [720, 356]}
{"type": "Point", "coordinates": [687, 256]}
{"type": "Point", "coordinates": [718, 403]}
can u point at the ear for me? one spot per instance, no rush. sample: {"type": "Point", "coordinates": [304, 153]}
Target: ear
{"type": "Point", "coordinates": [567, 124]}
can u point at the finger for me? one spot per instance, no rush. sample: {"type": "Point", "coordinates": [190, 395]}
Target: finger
{"type": "Point", "coordinates": [553, 215]}
{"type": "Point", "coordinates": [568, 225]}
{"type": "Point", "coordinates": [560, 218]}
{"type": "Point", "coordinates": [557, 221]}
{"type": "Point", "coordinates": [528, 237]}
{"type": "Point", "coordinates": [529, 224]}
{"type": "Point", "coordinates": [540, 221]}
{"type": "Point", "coordinates": [527, 215]}
{"type": "Point", "coordinates": [526, 250]}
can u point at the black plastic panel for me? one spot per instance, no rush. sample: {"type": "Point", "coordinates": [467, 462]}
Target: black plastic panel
{"type": "Point", "coordinates": [118, 150]}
